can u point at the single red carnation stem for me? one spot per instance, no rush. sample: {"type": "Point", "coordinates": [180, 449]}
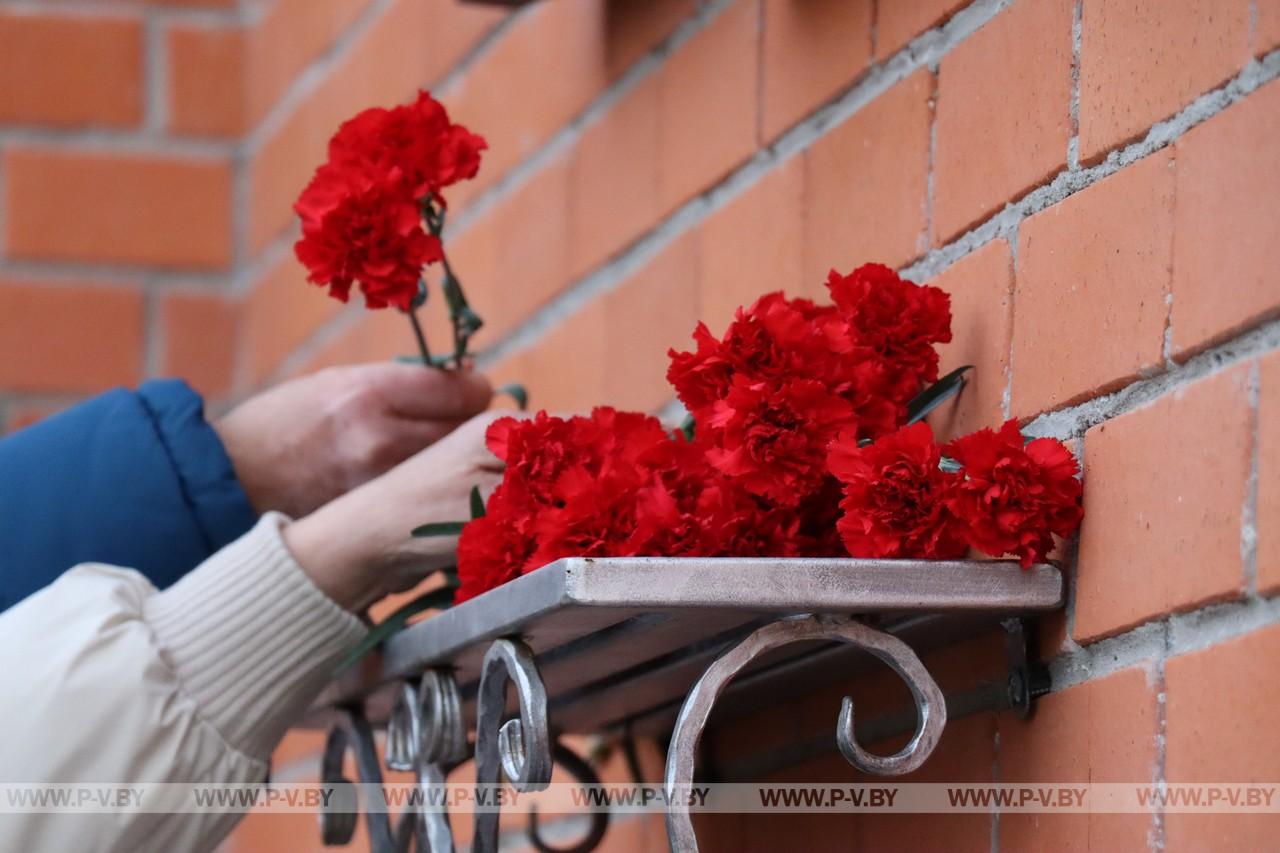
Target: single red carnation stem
{"type": "Point", "coordinates": [412, 314]}
{"type": "Point", "coordinates": [465, 321]}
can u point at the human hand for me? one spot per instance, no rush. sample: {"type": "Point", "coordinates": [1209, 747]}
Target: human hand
{"type": "Point", "coordinates": [301, 444]}
{"type": "Point", "coordinates": [358, 548]}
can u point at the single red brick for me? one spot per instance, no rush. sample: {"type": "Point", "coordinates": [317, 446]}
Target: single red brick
{"type": "Point", "coordinates": [1226, 234]}
{"type": "Point", "coordinates": [708, 110]}
{"type": "Point", "coordinates": [1267, 516]}
{"type": "Point", "coordinates": [1003, 113]}
{"type": "Point", "coordinates": [1266, 31]}
{"type": "Point", "coordinates": [653, 310]}
{"type": "Point", "coordinates": [811, 50]}
{"type": "Point", "coordinates": [1220, 727]}
{"type": "Point", "coordinates": [80, 206]}
{"type": "Point", "coordinates": [207, 81]}
{"type": "Point", "coordinates": [1127, 83]}
{"type": "Point", "coordinates": [981, 288]}
{"type": "Point", "coordinates": [752, 246]}
{"type": "Point", "coordinates": [1162, 516]}
{"type": "Point", "coordinates": [614, 175]}
{"type": "Point", "coordinates": [1092, 280]}
{"type": "Point", "coordinates": [1103, 731]}
{"type": "Point", "coordinates": [898, 23]}
{"type": "Point", "coordinates": [70, 70]}
{"type": "Point", "coordinates": [866, 184]}
{"type": "Point", "coordinates": [79, 336]}
{"type": "Point", "coordinates": [200, 340]}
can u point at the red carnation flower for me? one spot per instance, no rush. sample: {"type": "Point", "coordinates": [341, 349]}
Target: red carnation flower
{"type": "Point", "coordinates": [416, 141]}
{"type": "Point", "coordinates": [494, 548]}
{"type": "Point", "coordinates": [687, 508]}
{"type": "Point", "coordinates": [773, 436]}
{"type": "Point", "coordinates": [1012, 497]}
{"type": "Point", "coordinates": [764, 531]}
{"type": "Point", "coordinates": [362, 211]}
{"type": "Point", "coordinates": [359, 228]}
{"type": "Point", "coordinates": [897, 320]}
{"type": "Point", "coordinates": [544, 453]}
{"type": "Point", "coordinates": [595, 518]}
{"type": "Point", "coordinates": [773, 338]}
{"type": "Point", "coordinates": [895, 497]}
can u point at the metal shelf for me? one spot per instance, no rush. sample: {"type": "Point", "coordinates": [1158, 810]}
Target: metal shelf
{"type": "Point", "coordinates": [637, 642]}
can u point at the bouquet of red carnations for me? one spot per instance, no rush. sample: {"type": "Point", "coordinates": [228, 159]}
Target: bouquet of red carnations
{"type": "Point", "coordinates": [805, 435]}
{"type": "Point", "coordinates": [805, 439]}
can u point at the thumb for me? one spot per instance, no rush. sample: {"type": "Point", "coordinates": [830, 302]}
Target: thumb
{"type": "Point", "coordinates": [419, 392]}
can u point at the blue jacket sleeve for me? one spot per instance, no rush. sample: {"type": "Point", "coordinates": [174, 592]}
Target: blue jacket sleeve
{"type": "Point", "coordinates": [136, 479]}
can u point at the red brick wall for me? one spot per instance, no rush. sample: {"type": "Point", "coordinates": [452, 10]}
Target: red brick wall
{"type": "Point", "coordinates": [1093, 180]}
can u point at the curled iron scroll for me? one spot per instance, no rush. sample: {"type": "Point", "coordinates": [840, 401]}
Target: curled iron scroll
{"type": "Point", "coordinates": [520, 747]}
{"type": "Point", "coordinates": [931, 708]}
{"type": "Point", "coordinates": [582, 771]}
{"type": "Point", "coordinates": [426, 734]}
{"type": "Point", "coordinates": [341, 810]}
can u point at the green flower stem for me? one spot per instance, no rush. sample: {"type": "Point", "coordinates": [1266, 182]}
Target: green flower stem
{"type": "Point", "coordinates": [423, 349]}
{"type": "Point", "coordinates": [465, 322]}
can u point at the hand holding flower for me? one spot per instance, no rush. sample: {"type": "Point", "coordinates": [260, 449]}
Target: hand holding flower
{"type": "Point", "coordinates": [301, 444]}
{"type": "Point", "coordinates": [357, 548]}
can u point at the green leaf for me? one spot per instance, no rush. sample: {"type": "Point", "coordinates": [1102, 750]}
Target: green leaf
{"type": "Point", "coordinates": [477, 503]}
{"type": "Point", "coordinates": [936, 394]}
{"type": "Point", "coordinates": [468, 320]}
{"type": "Point", "coordinates": [436, 599]}
{"type": "Point", "coordinates": [687, 426]}
{"type": "Point", "coordinates": [951, 466]}
{"type": "Point", "coordinates": [420, 298]}
{"type": "Point", "coordinates": [439, 528]}
{"type": "Point", "coordinates": [517, 392]}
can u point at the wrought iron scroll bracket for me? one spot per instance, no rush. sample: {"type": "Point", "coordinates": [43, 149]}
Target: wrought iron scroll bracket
{"type": "Point", "coordinates": [426, 734]}
{"type": "Point", "coordinates": [341, 811]}
{"type": "Point", "coordinates": [520, 747]}
{"type": "Point", "coordinates": [931, 711]}
{"type": "Point", "coordinates": [582, 772]}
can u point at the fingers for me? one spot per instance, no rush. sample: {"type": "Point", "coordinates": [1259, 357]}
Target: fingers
{"type": "Point", "coordinates": [418, 392]}
{"type": "Point", "coordinates": [404, 438]}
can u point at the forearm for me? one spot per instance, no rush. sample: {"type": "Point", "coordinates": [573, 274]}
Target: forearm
{"type": "Point", "coordinates": [135, 479]}
{"type": "Point", "coordinates": [193, 684]}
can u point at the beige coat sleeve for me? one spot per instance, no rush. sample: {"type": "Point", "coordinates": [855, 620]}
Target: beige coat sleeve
{"type": "Point", "coordinates": [104, 679]}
